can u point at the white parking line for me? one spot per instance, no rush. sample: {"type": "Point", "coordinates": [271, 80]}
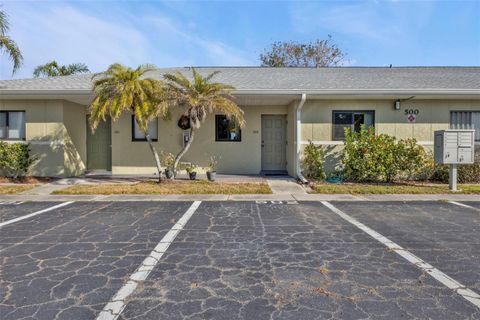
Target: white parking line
{"type": "Point", "coordinates": [35, 213]}
{"type": "Point", "coordinates": [15, 203]}
{"type": "Point", "coordinates": [438, 275]}
{"type": "Point", "coordinates": [463, 205]}
{"type": "Point", "coordinates": [114, 308]}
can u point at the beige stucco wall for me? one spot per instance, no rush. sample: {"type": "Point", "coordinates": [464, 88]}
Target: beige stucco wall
{"type": "Point", "coordinates": [75, 138]}
{"type": "Point", "coordinates": [56, 136]}
{"type": "Point", "coordinates": [433, 115]}
{"type": "Point", "coordinates": [56, 130]}
{"type": "Point", "coordinates": [242, 157]}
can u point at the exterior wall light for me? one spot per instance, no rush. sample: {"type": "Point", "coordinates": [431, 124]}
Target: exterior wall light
{"type": "Point", "coordinates": [396, 104]}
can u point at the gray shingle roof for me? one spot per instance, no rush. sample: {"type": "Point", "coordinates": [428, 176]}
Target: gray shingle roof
{"type": "Point", "coordinates": [308, 79]}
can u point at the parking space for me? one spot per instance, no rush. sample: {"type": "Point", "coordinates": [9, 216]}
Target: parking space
{"type": "Point", "coordinates": [238, 260]}
{"type": "Point", "coordinates": [67, 263]}
{"type": "Point", "coordinates": [249, 261]}
{"type": "Point", "coordinates": [443, 234]}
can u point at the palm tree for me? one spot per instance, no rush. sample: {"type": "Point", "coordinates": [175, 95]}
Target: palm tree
{"type": "Point", "coordinates": [7, 44]}
{"type": "Point", "coordinates": [122, 89]}
{"type": "Point", "coordinates": [200, 97]}
{"type": "Point", "coordinates": [53, 69]}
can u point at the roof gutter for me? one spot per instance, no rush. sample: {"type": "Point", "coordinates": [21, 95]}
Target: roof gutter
{"type": "Point", "coordinates": [298, 136]}
{"type": "Point", "coordinates": [358, 92]}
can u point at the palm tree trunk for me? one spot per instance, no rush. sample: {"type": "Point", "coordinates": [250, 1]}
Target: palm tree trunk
{"type": "Point", "coordinates": [155, 154]}
{"type": "Point", "coordinates": [183, 151]}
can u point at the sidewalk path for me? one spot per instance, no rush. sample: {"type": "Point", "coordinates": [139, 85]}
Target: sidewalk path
{"type": "Point", "coordinates": [285, 186]}
{"type": "Point", "coordinates": [47, 188]}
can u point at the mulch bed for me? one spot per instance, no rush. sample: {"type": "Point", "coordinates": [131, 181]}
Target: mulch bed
{"type": "Point", "coordinates": [27, 180]}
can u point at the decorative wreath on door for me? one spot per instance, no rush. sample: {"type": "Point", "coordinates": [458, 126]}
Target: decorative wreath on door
{"type": "Point", "coordinates": [184, 123]}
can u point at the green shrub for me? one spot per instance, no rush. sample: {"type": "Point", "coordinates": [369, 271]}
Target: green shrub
{"type": "Point", "coordinates": [312, 162]}
{"type": "Point", "coordinates": [15, 159]}
{"type": "Point", "coordinates": [470, 173]}
{"type": "Point", "coordinates": [367, 157]}
{"type": "Point", "coordinates": [380, 158]}
{"type": "Point", "coordinates": [467, 173]}
{"type": "Point", "coordinates": [430, 171]}
{"type": "Point", "coordinates": [412, 158]}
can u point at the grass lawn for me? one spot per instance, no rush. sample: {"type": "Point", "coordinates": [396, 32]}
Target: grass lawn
{"type": "Point", "coordinates": [170, 187]}
{"type": "Point", "coordinates": [11, 189]}
{"type": "Point", "coordinates": [360, 188]}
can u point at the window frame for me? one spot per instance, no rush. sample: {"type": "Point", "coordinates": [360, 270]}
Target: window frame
{"type": "Point", "coordinates": [8, 119]}
{"type": "Point", "coordinates": [351, 125]}
{"type": "Point", "coordinates": [470, 111]}
{"type": "Point", "coordinates": [217, 116]}
{"type": "Point", "coordinates": [133, 132]}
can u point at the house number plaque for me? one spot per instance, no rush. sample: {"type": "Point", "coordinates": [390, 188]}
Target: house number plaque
{"type": "Point", "coordinates": [412, 111]}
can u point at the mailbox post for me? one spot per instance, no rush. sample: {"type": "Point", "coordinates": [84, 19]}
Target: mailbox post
{"type": "Point", "coordinates": [454, 147]}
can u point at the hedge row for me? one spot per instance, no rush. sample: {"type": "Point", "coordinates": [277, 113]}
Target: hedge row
{"type": "Point", "coordinates": [368, 157]}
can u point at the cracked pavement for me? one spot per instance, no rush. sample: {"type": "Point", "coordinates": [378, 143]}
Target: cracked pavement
{"type": "Point", "coordinates": [68, 263]}
{"type": "Point", "coordinates": [238, 260]}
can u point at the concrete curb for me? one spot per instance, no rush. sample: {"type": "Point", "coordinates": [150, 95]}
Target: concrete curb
{"type": "Point", "coordinates": [245, 197]}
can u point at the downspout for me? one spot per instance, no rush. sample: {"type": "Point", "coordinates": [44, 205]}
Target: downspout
{"type": "Point", "coordinates": [298, 136]}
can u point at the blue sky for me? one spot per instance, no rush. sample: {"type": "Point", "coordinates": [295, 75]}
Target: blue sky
{"type": "Point", "coordinates": [185, 33]}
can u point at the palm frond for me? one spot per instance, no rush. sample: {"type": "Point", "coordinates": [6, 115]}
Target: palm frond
{"type": "Point", "coordinates": [211, 75]}
{"type": "Point", "coordinates": [50, 69]}
{"type": "Point", "coordinates": [4, 24]}
{"type": "Point", "coordinates": [200, 96]}
{"type": "Point", "coordinates": [122, 89]}
{"type": "Point", "coordinates": [76, 68]}
{"type": "Point", "coordinates": [144, 68]}
{"type": "Point", "coordinates": [13, 51]}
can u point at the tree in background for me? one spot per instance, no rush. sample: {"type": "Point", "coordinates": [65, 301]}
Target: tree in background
{"type": "Point", "coordinates": [200, 97]}
{"type": "Point", "coordinates": [7, 44]}
{"type": "Point", "coordinates": [120, 90]}
{"type": "Point", "coordinates": [320, 53]}
{"type": "Point", "coordinates": [53, 69]}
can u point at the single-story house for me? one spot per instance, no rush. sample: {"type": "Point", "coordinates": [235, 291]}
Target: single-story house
{"type": "Point", "coordinates": [284, 109]}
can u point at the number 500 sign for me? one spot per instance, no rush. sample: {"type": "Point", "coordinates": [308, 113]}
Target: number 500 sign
{"type": "Point", "coordinates": [412, 111]}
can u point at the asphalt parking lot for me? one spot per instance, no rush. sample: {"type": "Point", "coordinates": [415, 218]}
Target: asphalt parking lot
{"type": "Point", "coordinates": [240, 260]}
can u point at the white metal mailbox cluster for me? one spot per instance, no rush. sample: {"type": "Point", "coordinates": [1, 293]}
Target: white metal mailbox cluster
{"type": "Point", "coordinates": [454, 146]}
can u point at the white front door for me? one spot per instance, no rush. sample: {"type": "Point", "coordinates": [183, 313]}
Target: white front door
{"type": "Point", "coordinates": [274, 140]}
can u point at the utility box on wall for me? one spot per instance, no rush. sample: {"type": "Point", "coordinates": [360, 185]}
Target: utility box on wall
{"type": "Point", "coordinates": [454, 146]}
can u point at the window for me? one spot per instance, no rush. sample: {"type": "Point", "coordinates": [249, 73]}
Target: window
{"type": "Point", "coordinates": [466, 120]}
{"type": "Point", "coordinates": [12, 125]}
{"type": "Point", "coordinates": [137, 134]}
{"type": "Point", "coordinates": [352, 120]}
{"type": "Point", "coordinates": [227, 129]}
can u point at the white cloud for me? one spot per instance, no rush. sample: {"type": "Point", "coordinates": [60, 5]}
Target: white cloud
{"type": "Point", "coordinates": [73, 34]}
{"type": "Point", "coordinates": [194, 49]}
{"type": "Point", "coordinates": [69, 35]}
